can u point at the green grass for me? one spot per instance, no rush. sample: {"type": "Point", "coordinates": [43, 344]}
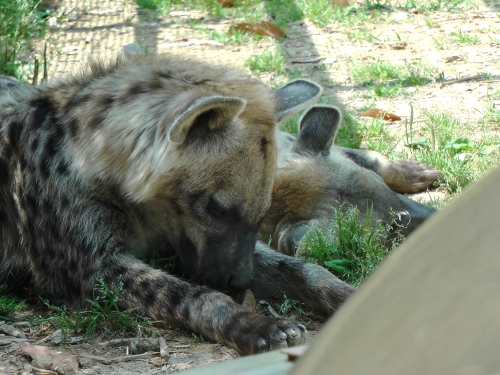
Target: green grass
{"type": "Point", "coordinates": [20, 22]}
{"type": "Point", "coordinates": [464, 38]}
{"type": "Point", "coordinates": [461, 159]}
{"type": "Point", "coordinates": [353, 248]}
{"type": "Point", "coordinates": [376, 72]}
{"type": "Point", "coordinates": [271, 62]}
{"type": "Point", "coordinates": [288, 304]}
{"type": "Point", "coordinates": [385, 79]}
{"type": "Point", "coordinates": [101, 316]}
{"type": "Point", "coordinates": [235, 37]}
{"type": "Point", "coordinates": [426, 6]}
{"type": "Point", "coordinates": [8, 304]}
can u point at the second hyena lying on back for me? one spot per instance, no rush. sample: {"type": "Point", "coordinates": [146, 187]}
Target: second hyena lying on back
{"type": "Point", "coordinates": [314, 177]}
{"type": "Point", "coordinates": [155, 153]}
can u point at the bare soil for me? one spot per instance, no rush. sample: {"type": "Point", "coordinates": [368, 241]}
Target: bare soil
{"type": "Point", "coordinates": [323, 54]}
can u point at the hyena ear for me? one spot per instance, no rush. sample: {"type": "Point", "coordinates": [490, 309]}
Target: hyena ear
{"type": "Point", "coordinates": [296, 96]}
{"type": "Point", "coordinates": [214, 112]}
{"type": "Point", "coordinates": [318, 128]}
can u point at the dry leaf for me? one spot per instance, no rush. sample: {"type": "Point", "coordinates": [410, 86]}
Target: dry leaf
{"type": "Point", "coordinates": [378, 113]}
{"type": "Point", "coordinates": [242, 26]}
{"type": "Point", "coordinates": [271, 29]}
{"type": "Point", "coordinates": [58, 358]}
{"type": "Point", "coordinates": [399, 46]}
{"type": "Point", "coordinates": [453, 58]}
{"type": "Point", "coordinates": [342, 3]}
{"type": "Point", "coordinates": [263, 28]}
{"type": "Point", "coordinates": [226, 3]}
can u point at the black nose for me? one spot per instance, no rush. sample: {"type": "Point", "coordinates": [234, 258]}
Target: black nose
{"type": "Point", "coordinates": [240, 281]}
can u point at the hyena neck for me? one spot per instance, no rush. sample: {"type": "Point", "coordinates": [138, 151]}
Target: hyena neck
{"type": "Point", "coordinates": [298, 192]}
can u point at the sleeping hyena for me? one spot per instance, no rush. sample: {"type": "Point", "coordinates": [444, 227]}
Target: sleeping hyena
{"type": "Point", "coordinates": [162, 153]}
{"type": "Point", "coordinates": [314, 176]}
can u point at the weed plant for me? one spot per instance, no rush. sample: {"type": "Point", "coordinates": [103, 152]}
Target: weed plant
{"type": "Point", "coordinates": [8, 304]}
{"type": "Point", "coordinates": [20, 21]}
{"type": "Point", "coordinates": [267, 62]}
{"type": "Point", "coordinates": [102, 315]}
{"type": "Point", "coordinates": [354, 246]}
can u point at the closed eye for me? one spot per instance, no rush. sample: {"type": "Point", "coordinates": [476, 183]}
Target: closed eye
{"type": "Point", "coordinates": [216, 210]}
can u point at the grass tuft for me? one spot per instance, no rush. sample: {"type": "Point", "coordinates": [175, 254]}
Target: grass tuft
{"type": "Point", "coordinates": [102, 315]}
{"type": "Point", "coordinates": [269, 61]}
{"type": "Point", "coordinates": [353, 248]}
{"type": "Point", "coordinates": [8, 304]}
{"type": "Point", "coordinates": [20, 22]}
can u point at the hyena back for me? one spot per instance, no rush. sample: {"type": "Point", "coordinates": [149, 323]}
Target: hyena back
{"type": "Point", "coordinates": [154, 153]}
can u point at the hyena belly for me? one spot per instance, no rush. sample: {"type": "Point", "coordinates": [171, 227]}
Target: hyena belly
{"type": "Point", "coordinates": [155, 153]}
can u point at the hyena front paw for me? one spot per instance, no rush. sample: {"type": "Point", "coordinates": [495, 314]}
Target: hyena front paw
{"type": "Point", "coordinates": [263, 334]}
{"type": "Point", "coordinates": [416, 176]}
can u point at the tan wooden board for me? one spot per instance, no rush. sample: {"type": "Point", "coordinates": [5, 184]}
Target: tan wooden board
{"type": "Point", "coordinates": [433, 307]}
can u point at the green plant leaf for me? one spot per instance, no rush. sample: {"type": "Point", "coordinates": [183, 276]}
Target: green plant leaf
{"type": "Point", "coordinates": [338, 265]}
{"type": "Point", "coordinates": [460, 145]}
{"type": "Point", "coordinates": [422, 142]}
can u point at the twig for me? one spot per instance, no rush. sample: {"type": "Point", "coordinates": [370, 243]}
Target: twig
{"type": "Point", "coordinates": [9, 340]}
{"type": "Point", "coordinates": [115, 342]}
{"type": "Point", "coordinates": [479, 77]}
{"type": "Point", "coordinates": [9, 330]}
{"type": "Point", "coordinates": [51, 336]}
{"type": "Point", "coordinates": [135, 357]}
{"type": "Point", "coordinates": [37, 370]}
{"type": "Point", "coordinates": [270, 308]}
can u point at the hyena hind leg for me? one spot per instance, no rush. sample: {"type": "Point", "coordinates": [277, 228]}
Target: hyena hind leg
{"type": "Point", "coordinates": [405, 176]}
{"type": "Point", "coordinates": [277, 275]}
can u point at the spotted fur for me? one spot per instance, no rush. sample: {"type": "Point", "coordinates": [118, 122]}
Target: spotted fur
{"type": "Point", "coordinates": [155, 156]}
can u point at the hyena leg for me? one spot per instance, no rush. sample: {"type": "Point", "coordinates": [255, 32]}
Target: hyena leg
{"type": "Point", "coordinates": [276, 275]}
{"type": "Point", "coordinates": [402, 176]}
{"type": "Point", "coordinates": [198, 309]}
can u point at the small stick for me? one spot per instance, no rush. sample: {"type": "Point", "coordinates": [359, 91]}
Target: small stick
{"type": "Point", "coordinates": [478, 77]}
{"type": "Point", "coordinates": [9, 330]}
{"type": "Point", "coordinates": [135, 357]}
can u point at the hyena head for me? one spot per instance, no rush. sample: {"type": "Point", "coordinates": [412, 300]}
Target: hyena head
{"type": "Point", "coordinates": [226, 158]}
{"type": "Point", "coordinates": [190, 147]}
{"type": "Point", "coordinates": [223, 181]}
{"type": "Point", "coordinates": [313, 176]}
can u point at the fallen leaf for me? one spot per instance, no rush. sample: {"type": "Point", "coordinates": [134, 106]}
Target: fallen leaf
{"type": "Point", "coordinates": [58, 358]}
{"type": "Point", "coordinates": [272, 30]}
{"type": "Point", "coordinates": [226, 3]}
{"type": "Point", "coordinates": [399, 46]}
{"type": "Point", "coordinates": [378, 113]}
{"type": "Point", "coordinates": [342, 3]}
{"type": "Point", "coordinates": [263, 28]}
{"type": "Point", "coordinates": [243, 27]}
{"type": "Point", "coordinates": [453, 58]}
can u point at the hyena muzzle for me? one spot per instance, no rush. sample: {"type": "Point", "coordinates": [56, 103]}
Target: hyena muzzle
{"type": "Point", "coordinates": [155, 155]}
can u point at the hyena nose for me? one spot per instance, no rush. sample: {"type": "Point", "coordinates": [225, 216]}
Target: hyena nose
{"type": "Point", "coordinates": [238, 282]}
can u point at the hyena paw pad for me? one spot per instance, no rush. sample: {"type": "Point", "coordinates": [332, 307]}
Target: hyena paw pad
{"type": "Point", "coordinates": [270, 334]}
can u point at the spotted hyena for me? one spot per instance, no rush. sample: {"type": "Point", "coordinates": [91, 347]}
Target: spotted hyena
{"type": "Point", "coordinates": [314, 176]}
{"type": "Point", "coordinates": [156, 153]}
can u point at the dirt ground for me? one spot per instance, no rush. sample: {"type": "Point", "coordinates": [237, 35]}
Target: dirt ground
{"type": "Point", "coordinates": [102, 27]}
